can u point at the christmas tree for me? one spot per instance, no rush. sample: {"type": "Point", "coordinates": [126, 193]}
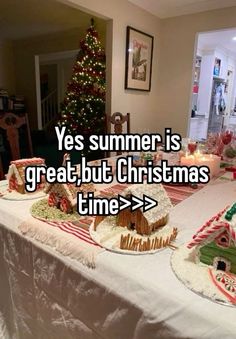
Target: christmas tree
{"type": "Point", "coordinates": [83, 109]}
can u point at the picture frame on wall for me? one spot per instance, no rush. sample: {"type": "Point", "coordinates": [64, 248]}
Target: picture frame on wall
{"type": "Point", "coordinates": [139, 54]}
{"type": "Point", "coordinates": [217, 65]}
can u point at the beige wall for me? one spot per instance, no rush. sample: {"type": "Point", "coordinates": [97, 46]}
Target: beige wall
{"type": "Point", "coordinates": [176, 63]}
{"type": "Point", "coordinates": [143, 106]}
{"type": "Point", "coordinates": [24, 52]}
{"type": "Point", "coordinates": [168, 103]}
{"type": "Point", "coordinates": [7, 67]}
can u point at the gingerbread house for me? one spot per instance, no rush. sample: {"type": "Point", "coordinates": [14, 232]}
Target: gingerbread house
{"type": "Point", "coordinates": [149, 221]}
{"type": "Point", "coordinates": [215, 241]}
{"type": "Point", "coordinates": [16, 173]}
{"type": "Point", "coordinates": [62, 196]}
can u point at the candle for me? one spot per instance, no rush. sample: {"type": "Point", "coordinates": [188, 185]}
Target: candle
{"type": "Point", "coordinates": [210, 160]}
{"type": "Point", "coordinates": [217, 161]}
{"type": "Point", "coordinates": [207, 160]}
{"type": "Point", "coordinates": [187, 160]}
{"type": "Point", "coordinates": [197, 154]}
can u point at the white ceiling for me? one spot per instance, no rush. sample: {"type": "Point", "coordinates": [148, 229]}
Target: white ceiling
{"type": "Point", "coordinates": [218, 39]}
{"type": "Point", "coordinates": [26, 18]}
{"type": "Point", "coordinates": [170, 8]}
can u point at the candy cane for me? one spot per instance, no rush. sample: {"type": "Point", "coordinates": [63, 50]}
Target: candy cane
{"type": "Point", "coordinates": [210, 221]}
{"type": "Point", "coordinates": [13, 184]}
{"type": "Point", "coordinates": [205, 234]}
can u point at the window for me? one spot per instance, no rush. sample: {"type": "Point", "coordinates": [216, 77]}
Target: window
{"type": "Point", "coordinates": [223, 240]}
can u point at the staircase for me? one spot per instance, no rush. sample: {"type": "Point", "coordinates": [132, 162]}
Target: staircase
{"type": "Point", "coordinates": [49, 108]}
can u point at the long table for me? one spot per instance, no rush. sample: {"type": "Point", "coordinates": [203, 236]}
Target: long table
{"type": "Point", "coordinates": [44, 294]}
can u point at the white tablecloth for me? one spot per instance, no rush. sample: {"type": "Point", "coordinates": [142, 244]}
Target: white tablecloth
{"type": "Point", "coordinates": [46, 295]}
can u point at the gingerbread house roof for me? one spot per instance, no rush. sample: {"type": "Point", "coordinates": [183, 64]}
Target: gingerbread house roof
{"type": "Point", "coordinates": [67, 190]}
{"type": "Point", "coordinates": [224, 221]}
{"type": "Point", "coordinates": [17, 168]}
{"type": "Point", "coordinates": [210, 231]}
{"type": "Point", "coordinates": [156, 192]}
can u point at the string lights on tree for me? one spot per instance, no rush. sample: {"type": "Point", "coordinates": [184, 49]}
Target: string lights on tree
{"type": "Point", "coordinates": [83, 109]}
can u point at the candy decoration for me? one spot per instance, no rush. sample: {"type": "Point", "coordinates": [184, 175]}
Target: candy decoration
{"type": "Point", "coordinates": [64, 205]}
{"type": "Point", "coordinates": [230, 213]}
{"type": "Point", "coordinates": [52, 199]}
{"type": "Point", "coordinates": [223, 240]}
{"type": "Point", "coordinates": [200, 237]}
{"type": "Point", "coordinates": [220, 277]}
{"type": "Point", "coordinates": [225, 283]}
{"type": "Point", "coordinates": [13, 185]}
{"type": "Point", "coordinates": [209, 222]}
{"type": "Point", "coordinates": [230, 286]}
{"type": "Point", "coordinates": [214, 225]}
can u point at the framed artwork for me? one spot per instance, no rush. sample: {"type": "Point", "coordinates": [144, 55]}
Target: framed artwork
{"type": "Point", "coordinates": [217, 65]}
{"type": "Point", "coordinates": [138, 66]}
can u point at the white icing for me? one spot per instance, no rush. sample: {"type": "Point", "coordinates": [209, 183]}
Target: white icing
{"type": "Point", "coordinates": [29, 161]}
{"type": "Point", "coordinates": [195, 276]}
{"type": "Point", "coordinates": [108, 235]}
{"type": "Point", "coordinates": [156, 192]}
{"type": "Point", "coordinates": [14, 171]}
{"type": "Point", "coordinates": [14, 195]}
{"type": "Point", "coordinates": [20, 164]}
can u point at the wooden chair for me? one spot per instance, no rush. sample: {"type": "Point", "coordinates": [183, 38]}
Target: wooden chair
{"type": "Point", "coordinates": [118, 120]}
{"type": "Point", "coordinates": [11, 123]}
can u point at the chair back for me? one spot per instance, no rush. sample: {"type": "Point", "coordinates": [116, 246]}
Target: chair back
{"type": "Point", "coordinates": [11, 123]}
{"type": "Point", "coordinates": [116, 122]}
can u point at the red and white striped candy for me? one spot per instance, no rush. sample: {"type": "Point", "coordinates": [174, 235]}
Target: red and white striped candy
{"type": "Point", "coordinates": [207, 232]}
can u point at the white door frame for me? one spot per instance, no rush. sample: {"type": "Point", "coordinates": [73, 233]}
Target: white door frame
{"type": "Point", "coordinates": [38, 91]}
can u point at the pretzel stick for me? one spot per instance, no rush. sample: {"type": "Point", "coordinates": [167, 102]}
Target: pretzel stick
{"type": "Point", "coordinates": [139, 244]}
{"type": "Point", "coordinates": [121, 241]}
{"type": "Point", "coordinates": [152, 245]}
{"type": "Point", "coordinates": [132, 244]}
{"type": "Point", "coordinates": [155, 242]}
{"type": "Point", "coordinates": [173, 247]}
{"type": "Point", "coordinates": [166, 242]}
{"type": "Point", "coordinates": [127, 241]}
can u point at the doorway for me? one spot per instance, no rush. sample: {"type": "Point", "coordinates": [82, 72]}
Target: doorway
{"type": "Point", "coordinates": [52, 73]}
{"type": "Point", "coordinates": [48, 79]}
{"type": "Point", "coordinates": [214, 84]}
{"type": "Point", "coordinates": [221, 264]}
